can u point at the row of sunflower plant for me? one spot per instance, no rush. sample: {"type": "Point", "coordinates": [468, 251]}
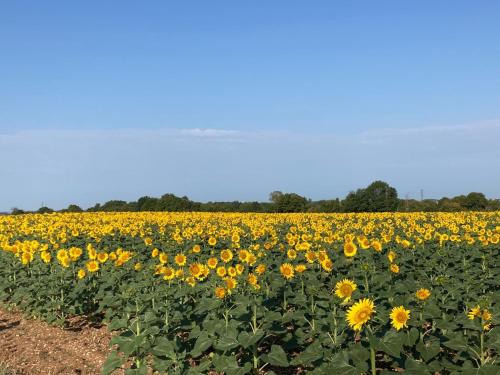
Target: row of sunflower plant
{"type": "Point", "coordinates": [190, 293]}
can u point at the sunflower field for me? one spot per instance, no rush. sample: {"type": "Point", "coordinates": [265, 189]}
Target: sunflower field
{"type": "Point", "coordinates": [199, 293]}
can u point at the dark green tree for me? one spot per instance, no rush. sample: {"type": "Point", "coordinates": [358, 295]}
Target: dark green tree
{"type": "Point", "coordinates": [291, 202]}
{"type": "Point", "coordinates": [376, 197]}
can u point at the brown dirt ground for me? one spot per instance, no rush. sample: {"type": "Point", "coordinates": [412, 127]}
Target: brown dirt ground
{"type": "Point", "coordinates": [32, 347]}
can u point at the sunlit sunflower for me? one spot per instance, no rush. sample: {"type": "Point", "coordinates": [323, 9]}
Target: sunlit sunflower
{"type": "Point", "coordinates": [163, 258]}
{"type": "Point", "coordinates": [350, 249]}
{"type": "Point", "coordinates": [286, 270]}
{"type": "Point", "coordinates": [155, 252]}
{"type": "Point", "coordinates": [344, 289]}
{"type": "Point", "coordinates": [180, 259]}
{"type": "Point", "coordinates": [81, 273]}
{"type": "Point", "coordinates": [102, 257]}
{"type": "Point", "coordinates": [226, 255]}
{"type": "Point", "coordinates": [212, 262]}
{"type": "Point", "coordinates": [391, 256]}
{"type": "Point", "coordinates": [221, 271]}
{"type": "Point", "coordinates": [399, 317]}
{"type": "Point", "coordinates": [422, 294]}
{"type": "Point", "coordinates": [299, 268]}
{"type": "Point", "coordinates": [359, 313]}
{"type": "Point", "coordinates": [220, 292]}
{"type": "Point", "coordinates": [474, 312]}
{"type": "Point", "coordinates": [92, 266]}
{"type": "Point", "coordinates": [212, 241]}
{"type": "Point", "coordinates": [168, 273]}
{"type": "Point", "coordinates": [486, 315]}
{"type": "Point", "coordinates": [394, 268]}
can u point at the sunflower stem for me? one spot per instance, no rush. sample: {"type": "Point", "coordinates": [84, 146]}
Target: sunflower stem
{"type": "Point", "coordinates": [372, 361]}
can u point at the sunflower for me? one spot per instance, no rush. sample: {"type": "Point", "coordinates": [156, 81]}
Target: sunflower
{"type": "Point", "coordinates": [474, 312]}
{"type": "Point", "coordinates": [292, 254]}
{"type": "Point", "coordinates": [46, 257]}
{"type": "Point", "coordinates": [231, 271]}
{"type": "Point", "coordinates": [422, 294]}
{"type": "Point", "coordinates": [196, 249]}
{"type": "Point", "coordinates": [391, 256]}
{"type": "Point", "coordinates": [240, 268]}
{"type": "Point", "coordinates": [359, 313]}
{"type": "Point", "coordinates": [299, 268]}
{"type": "Point", "coordinates": [252, 279]}
{"type": "Point", "coordinates": [137, 266]}
{"type": "Point", "coordinates": [102, 257]}
{"type": "Point", "coordinates": [310, 256]}
{"type": "Point", "coordinates": [221, 271]}
{"type": "Point", "coordinates": [286, 270]}
{"type": "Point", "coordinates": [377, 246]}
{"type": "Point", "coordinates": [168, 273]}
{"type": "Point", "coordinates": [394, 268]}
{"type": "Point", "coordinates": [327, 265]}
{"type": "Point", "coordinates": [344, 289]}
{"type": "Point", "coordinates": [155, 252]}
{"type": "Point", "coordinates": [81, 273]}
{"type": "Point", "coordinates": [163, 258]}
{"type": "Point", "coordinates": [212, 263]}
{"type": "Point", "coordinates": [226, 255]}
{"type": "Point", "coordinates": [231, 283]}
{"type": "Point", "coordinates": [195, 269]}
{"type": "Point", "coordinates": [212, 241]}
{"type": "Point", "coordinates": [486, 315]}
{"type": "Point", "coordinates": [180, 259]}
{"type": "Point", "coordinates": [261, 268]}
{"type": "Point", "coordinates": [220, 292]}
{"type": "Point", "coordinates": [92, 266]}
{"type": "Point", "coordinates": [148, 241]}
{"type": "Point", "coordinates": [350, 249]}
{"type": "Point", "coordinates": [399, 317]}
{"type": "Point", "coordinates": [243, 255]}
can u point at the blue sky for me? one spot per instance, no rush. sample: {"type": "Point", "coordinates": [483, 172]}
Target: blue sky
{"type": "Point", "coordinates": [229, 100]}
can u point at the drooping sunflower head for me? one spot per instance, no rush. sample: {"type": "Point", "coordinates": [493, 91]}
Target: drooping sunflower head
{"type": "Point", "coordinates": [359, 313]}
{"type": "Point", "coordinates": [422, 294]}
{"type": "Point", "coordinates": [286, 269]}
{"type": "Point", "coordinates": [399, 317]}
{"type": "Point", "coordinates": [344, 289]}
{"type": "Point", "coordinates": [474, 312]}
{"type": "Point", "coordinates": [394, 268]}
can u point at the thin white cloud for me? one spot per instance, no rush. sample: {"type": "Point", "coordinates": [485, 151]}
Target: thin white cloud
{"type": "Point", "coordinates": [61, 167]}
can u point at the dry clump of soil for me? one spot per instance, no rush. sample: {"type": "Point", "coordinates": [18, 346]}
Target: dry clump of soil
{"type": "Point", "coordinates": [32, 347]}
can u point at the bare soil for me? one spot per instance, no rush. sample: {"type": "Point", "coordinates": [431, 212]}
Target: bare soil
{"type": "Point", "coordinates": [33, 347]}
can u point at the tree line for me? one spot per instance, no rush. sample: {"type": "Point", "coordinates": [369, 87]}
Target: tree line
{"type": "Point", "coordinates": [379, 196]}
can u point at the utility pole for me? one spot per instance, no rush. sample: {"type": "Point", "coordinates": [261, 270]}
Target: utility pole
{"type": "Point", "coordinates": [421, 195]}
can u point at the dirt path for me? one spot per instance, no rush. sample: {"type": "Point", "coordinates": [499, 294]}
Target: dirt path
{"type": "Point", "coordinates": [32, 347]}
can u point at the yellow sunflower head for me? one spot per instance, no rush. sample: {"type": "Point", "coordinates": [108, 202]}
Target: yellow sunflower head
{"type": "Point", "coordinates": [350, 249]}
{"type": "Point", "coordinates": [422, 294]}
{"type": "Point", "coordinates": [399, 317]}
{"type": "Point", "coordinates": [359, 313]}
{"type": "Point", "coordinates": [286, 269]}
{"type": "Point", "coordinates": [344, 289]}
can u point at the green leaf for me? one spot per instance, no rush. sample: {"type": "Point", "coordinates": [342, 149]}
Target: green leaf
{"type": "Point", "coordinates": [428, 350]}
{"type": "Point", "coordinates": [457, 343]}
{"type": "Point", "coordinates": [226, 343]}
{"type": "Point", "coordinates": [312, 353]}
{"type": "Point", "coordinates": [113, 362]}
{"type": "Point", "coordinates": [248, 339]}
{"type": "Point", "coordinates": [277, 356]}
{"type": "Point", "coordinates": [203, 342]}
{"type": "Point", "coordinates": [164, 348]}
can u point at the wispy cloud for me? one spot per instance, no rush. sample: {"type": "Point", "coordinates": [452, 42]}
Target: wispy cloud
{"type": "Point", "coordinates": [60, 167]}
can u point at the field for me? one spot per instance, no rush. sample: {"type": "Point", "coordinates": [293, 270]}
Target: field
{"type": "Point", "coordinates": [198, 293]}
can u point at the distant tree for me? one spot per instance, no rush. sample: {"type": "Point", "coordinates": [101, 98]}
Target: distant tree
{"type": "Point", "coordinates": [17, 211]}
{"type": "Point", "coordinates": [449, 205]}
{"type": "Point", "coordinates": [291, 202]}
{"type": "Point", "coordinates": [475, 201]}
{"type": "Point", "coordinates": [170, 202]}
{"type": "Point", "coordinates": [44, 210]}
{"type": "Point", "coordinates": [275, 195]}
{"type": "Point", "coordinates": [73, 208]}
{"type": "Point", "coordinates": [115, 206]}
{"type": "Point", "coordinates": [330, 205]}
{"type": "Point", "coordinates": [147, 204]}
{"type": "Point", "coordinates": [376, 197]}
